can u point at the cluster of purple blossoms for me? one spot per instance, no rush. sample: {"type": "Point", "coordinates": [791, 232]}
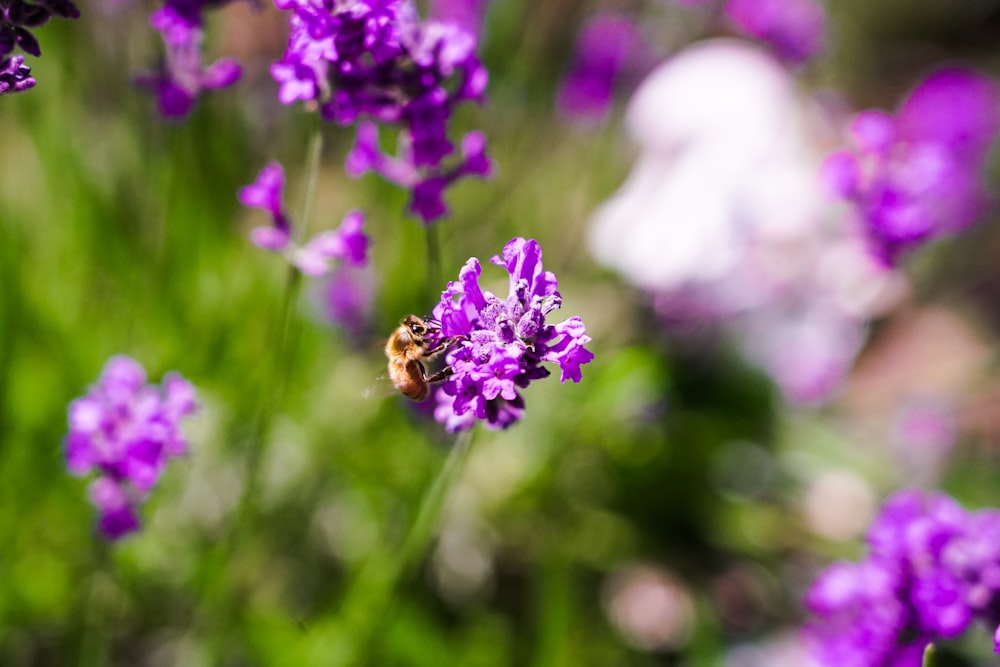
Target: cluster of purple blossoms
{"type": "Point", "coordinates": [127, 430]}
{"type": "Point", "coordinates": [918, 175]}
{"type": "Point", "coordinates": [932, 570]}
{"type": "Point", "coordinates": [315, 258]}
{"type": "Point", "coordinates": [376, 59]}
{"type": "Point", "coordinates": [499, 344]}
{"type": "Point", "coordinates": [16, 19]}
{"type": "Point", "coordinates": [182, 78]}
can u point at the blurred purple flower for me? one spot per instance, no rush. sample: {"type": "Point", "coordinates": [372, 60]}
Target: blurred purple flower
{"type": "Point", "coordinates": [265, 193]}
{"type": "Point", "coordinates": [376, 59]}
{"type": "Point", "coordinates": [919, 175]}
{"type": "Point", "coordinates": [500, 343]}
{"type": "Point", "coordinates": [347, 298]}
{"type": "Point", "coordinates": [347, 243]}
{"type": "Point", "coordinates": [181, 78]}
{"type": "Point", "coordinates": [607, 45]}
{"type": "Point", "coordinates": [793, 28]}
{"type": "Point", "coordinates": [15, 76]}
{"type": "Point", "coordinates": [127, 430]}
{"type": "Point", "coordinates": [933, 568]}
{"type": "Point", "coordinates": [467, 14]}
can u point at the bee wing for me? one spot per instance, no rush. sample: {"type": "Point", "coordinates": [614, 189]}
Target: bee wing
{"type": "Point", "coordinates": [380, 387]}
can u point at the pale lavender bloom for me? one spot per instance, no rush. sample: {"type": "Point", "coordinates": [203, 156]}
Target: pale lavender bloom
{"type": "Point", "coordinates": [315, 257]}
{"type": "Point", "coordinates": [606, 47]}
{"type": "Point", "coordinates": [347, 243]}
{"type": "Point", "coordinates": [468, 14]}
{"type": "Point", "coordinates": [933, 569]}
{"type": "Point", "coordinates": [347, 298]}
{"type": "Point", "coordinates": [918, 175]}
{"type": "Point", "coordinates": [498, 344]}
{"type": "Point", "coordinates": [793, 28]}
{"type": "Point", "coordinates": [127, 430]}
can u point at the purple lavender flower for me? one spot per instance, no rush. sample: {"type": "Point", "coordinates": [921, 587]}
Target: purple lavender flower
{"type": "Point", "coordinates": [919, 175]}
{"type": "Point", "coordinates": [500, 343]}
{"type": "Point", "coordinates": [427, 192]}
{"type": "Point", "coordinates": [376, 59]}
{"type": "Point", "coordinates": [15, 76]}
{"type": "Point", "coordinates": [181, 78]}
{"type": "Point", "coordinates": [314, 258]}
{"type": "Point", "coordinates": [933, 569]}
{"type": "Point", "coordinates": [793, 28]}
{"type": "Point", "coordinates": [127, 430]}
{"type": "Point", "coordinates": [605, 48]}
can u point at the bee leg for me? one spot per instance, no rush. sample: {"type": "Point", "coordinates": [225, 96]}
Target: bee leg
{"type": "Point", "coordinates": [443, 345]}
{"type": "Point", "coordinates": [440, 376]}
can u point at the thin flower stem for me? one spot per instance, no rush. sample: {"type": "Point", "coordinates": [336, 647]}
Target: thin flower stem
{"type": "Point", "coordinates": [94, 643]}
{"type": "Point", "coordinates": [315, 152]}
{"type": "Point", "coordinates": [366, 603]}
{"type": "Point", "coordinates": [433, 262]}
{"type": "Point", "coordinates": [272, 391]}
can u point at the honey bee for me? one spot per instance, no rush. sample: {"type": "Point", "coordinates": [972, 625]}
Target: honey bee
{"type": "Point", "coordinates": [407, 348]}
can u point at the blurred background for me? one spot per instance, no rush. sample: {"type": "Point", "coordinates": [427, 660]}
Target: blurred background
{"type": "Point", "coordinates": [670, 509]}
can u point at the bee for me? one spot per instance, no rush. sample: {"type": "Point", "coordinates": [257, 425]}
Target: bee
{"type": "Point", "coordinates": [407, 348]}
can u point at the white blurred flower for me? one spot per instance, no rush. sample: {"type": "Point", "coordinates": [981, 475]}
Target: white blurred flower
{"type": "Point", "coordinates": [723, 217]}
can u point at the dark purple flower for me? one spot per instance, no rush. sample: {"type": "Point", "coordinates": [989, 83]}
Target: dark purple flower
{"type": "Point", "coordinates": [127, 430]}
{"type": "Point", "coordinates": [16, 19]}
{"type": "Point", "coordinates": [15, 76]}
{"type": "Point", "coordinates": [793, 28]}
{"type": "Point", "coordinates": [499, 344]}
{"type": "Point", "coordinates": [376, 59]}
{"type": "Point", "coordinates": [607, 46]}
{"type": "Point", "coordinates": [919, 175]}
{"type": "Point", "coordinates": [314, 258]}
{"type": "Point", "coordinates": [932, 570]}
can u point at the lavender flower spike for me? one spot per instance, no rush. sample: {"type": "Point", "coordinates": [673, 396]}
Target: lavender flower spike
{"type": "Point", "coordinates": [918, 175]}
{"type": "Point", "coordinates": [127, 430]}
{"type": "Point", "coordinates": [933, 569]}
{"type": "Point", "coordinates": [502, 342]}
{"type": "Point", "coordinates": [316, 256]}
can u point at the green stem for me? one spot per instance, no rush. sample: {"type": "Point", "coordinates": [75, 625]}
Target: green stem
{"type": "Point", "coordinates": [94, 643]}
{"type": "Point", "coordinates": [366, 602]}
{"type": "Point", "coordinates": [314, 153]}
{"type": "Point", "coordinates": [433, 263]}
{"type": "Point", "coordinates": [272, 390]}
